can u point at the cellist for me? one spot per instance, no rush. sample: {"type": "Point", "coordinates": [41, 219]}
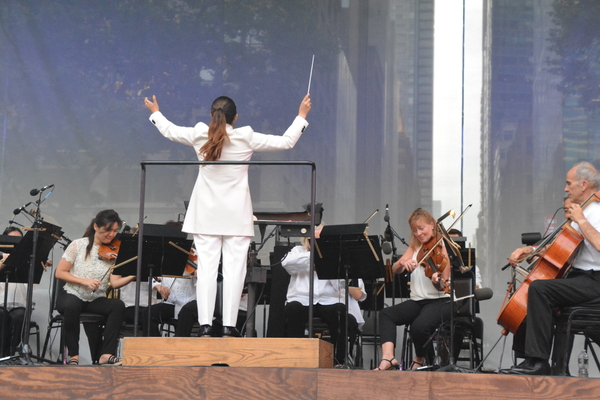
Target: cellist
{"type": "Point", "coordinates": [581, 285]}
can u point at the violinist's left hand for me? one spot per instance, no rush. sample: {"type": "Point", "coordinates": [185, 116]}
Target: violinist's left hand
{"type": "Point", "coordinates": [435, 278]}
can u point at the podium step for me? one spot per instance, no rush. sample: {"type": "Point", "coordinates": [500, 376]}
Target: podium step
{"type": "Point", "coordinates": [233, 352]}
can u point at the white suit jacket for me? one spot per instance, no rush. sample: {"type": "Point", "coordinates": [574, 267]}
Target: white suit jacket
{"type": "Point", "coordinates": [220, 203]}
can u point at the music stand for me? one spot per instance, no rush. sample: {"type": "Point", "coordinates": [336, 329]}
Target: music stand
{"type": "Point", "coordinates": [160, 257]}
{"type": "Point", "coordinates": [347, 252]}
{"type": "Point", "coordinates": [457, 266]}
{"type": "Point", "coordinates": [7, 244]}
{"type": "Point", "coordinates": [35, 245]}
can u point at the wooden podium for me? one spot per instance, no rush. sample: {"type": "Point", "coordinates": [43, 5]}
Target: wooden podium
{"type": "Point", "coordinates": [233, 352]}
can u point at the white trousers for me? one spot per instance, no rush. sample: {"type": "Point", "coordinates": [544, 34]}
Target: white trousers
{"type": "Point", "coordinates": [235, 253]}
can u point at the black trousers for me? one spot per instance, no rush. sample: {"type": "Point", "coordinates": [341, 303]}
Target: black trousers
{"type": "Point", "coordinates": [423, 316]}
{"type": "Point", "coordinates": [544, 297]}
{"type": "Point", "coordinates": [159, 313]}
{"type": "Point", "coordinates": [71, 307]}
{"type": "Point", "coordinates": [296, 317]}
{"type": "Point", "coordinates": [12, 323]}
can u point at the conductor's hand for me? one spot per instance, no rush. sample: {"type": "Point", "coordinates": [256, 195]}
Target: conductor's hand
{"type": "Point", "coordinates": [152, 105]}
{"type": "Point", "coordinates": [304, 107]}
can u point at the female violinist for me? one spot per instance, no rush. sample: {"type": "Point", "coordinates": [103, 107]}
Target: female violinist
{"type": "Point", "coordinates": [428, 304]}
{"type": "Point", "coordinates": [86, 274]}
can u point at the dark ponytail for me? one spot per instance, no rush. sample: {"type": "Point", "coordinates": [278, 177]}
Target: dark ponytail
{"type": "Point", "coordinates": [223, 112]}
{"type": "Point", "coordinates": [106, 218]}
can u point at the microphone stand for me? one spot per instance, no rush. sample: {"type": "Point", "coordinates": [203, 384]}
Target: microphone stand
{"type": "Point", "coordinates": [24, 349]}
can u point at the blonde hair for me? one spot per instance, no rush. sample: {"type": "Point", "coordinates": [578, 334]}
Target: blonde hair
{"type": "Point", "coordinates": [414, 217]}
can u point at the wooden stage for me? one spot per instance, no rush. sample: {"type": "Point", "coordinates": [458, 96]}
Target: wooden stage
{"type": "Point", "coordinates": [266, 382]}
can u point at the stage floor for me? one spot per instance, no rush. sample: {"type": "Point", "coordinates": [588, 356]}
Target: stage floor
{"type": "Point", "coordinates": [97, 382]}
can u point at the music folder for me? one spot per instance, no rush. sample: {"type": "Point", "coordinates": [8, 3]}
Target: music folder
{"type": "Point", "coordinates": [159, 252]}
{"type": "Point", "coordinates": [18, 262]}
{"type": "Point", "coordinates": [342, 247]}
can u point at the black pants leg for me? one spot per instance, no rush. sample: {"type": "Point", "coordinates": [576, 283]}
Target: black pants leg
{"type": "Point", "coordinates": [113, 310]}
{"type": "Point", "coordinates": [188, 316]}
{"type": "Point", "coordinates": [70, 307]}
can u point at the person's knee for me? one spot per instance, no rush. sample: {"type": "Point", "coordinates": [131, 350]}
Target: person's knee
{"type": "Point", "coordinates": [293, 308]}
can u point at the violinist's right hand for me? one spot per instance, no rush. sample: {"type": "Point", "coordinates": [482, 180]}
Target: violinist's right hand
{"type": "Point", "coordinates": [164, 291]}
{"type": "Point", "coordinates": [93, 284]}
{"type": "Point", "coordinates": [519, 255]}
{"type": "Point", "coordinates": [404, 265]}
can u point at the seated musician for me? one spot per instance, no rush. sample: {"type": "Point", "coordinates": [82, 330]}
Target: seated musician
{"type": "Point", "coordinates": [581, 285]}
{"type": "Point", "coordinates": [15, 307]}
{"type": "Point", "coordinates": [428, 304]}
{"type": "Point", "coordinates": [127, 286]}
{"type": "Point", "coordinates": [328, 299]}
{"type": "Point", "coordinates": [87, 276]}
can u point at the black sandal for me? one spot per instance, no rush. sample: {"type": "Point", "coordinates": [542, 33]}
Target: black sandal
{"type": "Point", "coordinates": [113, 361]}
{"type": "Point", "coordinates": [391, 367]}
{"type": "Point", "coordinates": [412, 364]}
{"type": "Point", "coordinates": [73, 361]}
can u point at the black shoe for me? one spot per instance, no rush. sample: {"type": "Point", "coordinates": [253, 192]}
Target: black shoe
{"type": "Point", "coordinates": [531, 366]}
{"type": "Point", "coordinates": [205, 331]}
{"type": "Point", "coordinates": [230, 331]}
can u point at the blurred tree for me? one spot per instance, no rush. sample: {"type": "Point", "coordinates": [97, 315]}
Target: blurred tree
{"type": "Point", "coordinates": [576, 42]}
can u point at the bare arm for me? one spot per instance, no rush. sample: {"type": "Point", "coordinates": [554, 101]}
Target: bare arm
{"type": "Point", "coordinates": [62, 273]}
{"type": "Point", "coordinates": [405, 263]}
{"type": "Point", "coordinates": [117, 281]}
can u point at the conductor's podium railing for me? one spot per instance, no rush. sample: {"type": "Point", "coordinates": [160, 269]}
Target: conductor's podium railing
{"type": "Point", "coordinates": [145, 164]}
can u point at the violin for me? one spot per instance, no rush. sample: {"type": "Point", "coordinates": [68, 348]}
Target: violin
{"type": "Point", "coordinates": [109, 252]}
{"type": "Point", "coordinates": [191, 265]}
{"type": "Point", "coordinates": [433, 259]}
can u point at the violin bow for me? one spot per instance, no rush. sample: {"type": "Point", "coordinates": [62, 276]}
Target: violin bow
{"type": "Point", "coordinates": [444, 232]}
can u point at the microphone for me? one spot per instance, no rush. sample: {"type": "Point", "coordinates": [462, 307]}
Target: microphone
{"type": "Point", "coordinates": [34, 192]}
{"type": "Point", "coordinates": [387, 213]}
{"type": "Point", "coordinates": [387, 235]}
{"type": "Point", "coordinates": [18, 210]}
{"type": "Point", "coordinates": [386, 247]}
{"type": "Point", "coordinates": [479, 294]}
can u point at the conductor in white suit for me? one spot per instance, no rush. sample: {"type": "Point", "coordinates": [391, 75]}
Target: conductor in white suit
{"type": "Point", "coordinates": [219, 214]}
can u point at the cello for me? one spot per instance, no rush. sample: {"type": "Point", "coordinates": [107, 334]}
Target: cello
{"type": "Point", "coordinates": [559, 250]}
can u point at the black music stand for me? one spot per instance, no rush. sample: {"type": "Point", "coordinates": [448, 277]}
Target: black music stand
{"type": "Point", "coordinates": [457, 266]}
{"type": "Point", "coordinates": [347, 252]}
{"type": "Point", "coordinates": [160, 257]}
{"type": "Point", "coordinates": [7, 244]}
{"type": "Point", "coordinates": [31, 248]}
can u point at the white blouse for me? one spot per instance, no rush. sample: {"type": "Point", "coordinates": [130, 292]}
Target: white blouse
{"type": "Point", "coordinates": [91, 267]}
